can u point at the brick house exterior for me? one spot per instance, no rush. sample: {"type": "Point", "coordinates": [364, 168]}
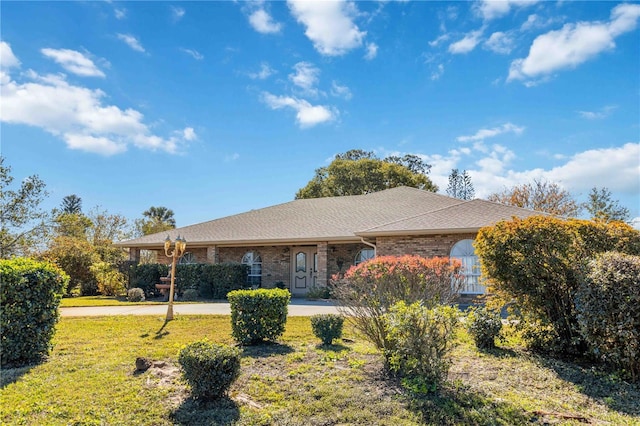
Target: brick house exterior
{"type": "Point", "coordinates": [301, 244]}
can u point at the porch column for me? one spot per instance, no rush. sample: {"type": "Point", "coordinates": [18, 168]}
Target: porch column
{"type": "Point", "coordinates": [212, 254]}
{"type": "Point", "coordinates": [134, 254]}
{"type": "Point", "coordinates": [322, 278]}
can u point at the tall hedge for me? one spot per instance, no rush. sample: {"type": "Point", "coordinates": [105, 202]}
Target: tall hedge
{"type": "Point", "coordinates": [30, 294]}
{"type": "Point", "coordinates": [540, 262]}
{"type": "Point", "coordinates": [212, 281]}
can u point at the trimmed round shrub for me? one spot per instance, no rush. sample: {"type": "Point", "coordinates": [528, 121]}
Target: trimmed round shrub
{"type": "Point", "coordinates": [30, 294]}
{"type": "Point", "coordinates": [189, 295]}
{"type": "Point", "coordinates": [484, 326]}
{"type": "Point", "coordinates": [209, 368]}
{"type": "Point", "coordinates": [135, 295]}
{"type": "Point", "coordinates": [327, 327]}
{"type": "Point", "coordinates": [258, 315]}
{"type": "Point", "coordinates": [608, 311]}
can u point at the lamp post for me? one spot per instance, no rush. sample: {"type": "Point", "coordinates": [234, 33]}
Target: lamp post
{"type": "Point", "coordinates": [178, 250]}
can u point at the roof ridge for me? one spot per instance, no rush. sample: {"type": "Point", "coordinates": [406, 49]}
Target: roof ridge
{"type": "Point", "coordinates": [415, 216]}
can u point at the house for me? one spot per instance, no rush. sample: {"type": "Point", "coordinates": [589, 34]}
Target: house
{"type": "Point", "coordinates": [302, 243]}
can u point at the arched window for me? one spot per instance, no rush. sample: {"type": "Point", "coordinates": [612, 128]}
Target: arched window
{"type": "Point", "coordinates": [464, 251]}
{"type": "Point", "coordinates": [364, 254]}
{"type": "Point", "coordinates": [253, 259]}
{"type": "Point", "coordinates": [187, 258]}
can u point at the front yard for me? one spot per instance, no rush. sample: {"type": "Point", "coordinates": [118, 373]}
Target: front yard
{"type": "Point", "coordinates": [90, 379]}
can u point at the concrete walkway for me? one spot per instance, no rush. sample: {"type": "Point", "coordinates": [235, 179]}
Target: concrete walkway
{"type": "Point", "coordinates": [297, 308]}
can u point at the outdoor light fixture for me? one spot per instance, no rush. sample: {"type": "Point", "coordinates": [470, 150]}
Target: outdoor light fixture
{"type": "Point", "coordinates": [178, 250]}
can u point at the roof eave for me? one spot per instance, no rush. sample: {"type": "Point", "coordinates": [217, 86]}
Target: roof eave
{"type": "Point", "coordinates": [417, 232]}
{"type": "Point", "coordinates": [241, 243]}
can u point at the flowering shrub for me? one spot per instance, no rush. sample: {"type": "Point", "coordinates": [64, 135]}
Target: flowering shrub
{"type": "Point", "coordinates": [366, 291]}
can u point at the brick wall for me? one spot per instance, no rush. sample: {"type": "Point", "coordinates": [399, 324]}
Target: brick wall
{"type": "Point", "coordinates": [421, 245]}
{"type": "Point", "coordinates": [275, 262]}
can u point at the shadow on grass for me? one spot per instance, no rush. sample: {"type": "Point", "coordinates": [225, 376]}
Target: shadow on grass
{"type": "Point", "coordinates": [161, 332]}
{"type": "Point", "coordinates": [454, 405]}
{"type": "Point", "coordinates": [12, 375]}
{"type": "Point", "coordinates": [334, 347]}
{"type": "Point", "coordinates": [266, 349]}
{"type": "Point", "coordinates": [616, 394]}
{"type": "Point", "coordinates": [223, 411]}
{"type": "Point", "coordinates": [499, 352]}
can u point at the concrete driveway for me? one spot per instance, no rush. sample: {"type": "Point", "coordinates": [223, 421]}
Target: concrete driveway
{"type": "Point", "coordinates": [297, 308]}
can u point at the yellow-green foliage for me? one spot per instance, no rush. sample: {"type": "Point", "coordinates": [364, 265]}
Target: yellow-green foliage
{"type": "Point", "coordinates": [258, 315]}
{"type": "Point", "coordinates": [110, 281]}
{"type": "Point", "coordinates": [540, 262]}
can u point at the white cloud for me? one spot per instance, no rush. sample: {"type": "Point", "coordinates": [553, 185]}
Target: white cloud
{"type": "Point", "coordinates": [73, 61]}
{"type": "Point", "coordinates": [307, 115]}
{"type": "Point", "coordinates": [177, 13]}
{"type": "Point", "coordinates": [372, 51]}
{"type": "Point", "coordinates": [189, 134]}
{"type": "Point", "coordinates": [232, 157]}
{"type": "Point", "coordinates": [492, 9]}
{"type": "Point", "coordinates": [7, 58]}
{"type": "Point", "coordinates": [635, 222]}
{"type": "Point", "coordinates": [535, 21]}
{"type": "Point", "coordinates": [597, 115]}
{"type": "Point", "coordinates": [131, 41]}
{"type": "Point", "coordinates": [441, 39]}
{"type": "Point", "coordinates": [329, 25]}
{"type": "Point", "coordinates": [500, 42]}
{"type": "Point", "coordinates": [193, 53]}
{"type": "Point", "coordinates": [340, 91]}
{"type": "Point", "coordinates": [120, 13]}
{"type": "Point", "coordinates": [614, 168]}
{"type": "Point", "coordinates": [78, 116]}
{"type": "Point", "coordinates": [483, 134]}
{"type": "Point", "coordinates": [574, 44]}
{"type": "Point", "coordinates": [265, 72]}
{"type": "Point", "coordinates": [468, 43]}
{"type": "Point", "coordinates": [439, 71]}
{"type": "Point", "coordinates": [306, 77]}
{"type": "Point", "coordinates": [262, 22]}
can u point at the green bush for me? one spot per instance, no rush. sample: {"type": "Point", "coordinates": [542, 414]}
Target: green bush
{"type": "Point", "coordinates": [258, 315]}
{"type": "Point", "coordinates": [366, 292]}
{"type": "Point", "coordinates": [189, 295]}
{"type": "Point", "coordinates": [210, 369]}
{"type": "Point", "coordinates": [327, 327]}
{"type": "Point", "coordinates": [484, 326]}
{"type": "Point", "coordinates": [539, 264]}
{"type": "Point", "coordinates": [213, 281]}
{"type": "Point", "coordinates": [30, 294]}
{"type": "Point", "coordinates": [317, 292]}
{"type": "Point", "coordinates": [419, 341]}
{"type": "Point", "coordinates": [608, 305]}
{"type": "Point", "coordinates": [110, 281]}
{"type": "Point", "coordinates": [135, 295]}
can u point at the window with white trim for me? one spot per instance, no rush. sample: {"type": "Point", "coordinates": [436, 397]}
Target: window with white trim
{"type": "Point", "coordinates": [463, 250]}
{"type": "Point", "coordinates": [187, 259]}
{"type": "Point", "coordinates": [364, 254]}
{"type": "Point", "coordinates": [254, 261]}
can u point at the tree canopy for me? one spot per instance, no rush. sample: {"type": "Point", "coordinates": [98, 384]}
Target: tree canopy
{"type": "Point", "coordinates": [460, 185]}
{"type": "Point", "coordinates": [22, 221]}
{"type": "Point", "coordinates": [71, 204]}
{"type": "Point", "coordinates": [541, 196]}
{"type": "Point", "coordinates": [600, 206]}
{"type": "Point", "coordinates": [155, 219]}
{"type": "Point", "coordinates": [358, 172]}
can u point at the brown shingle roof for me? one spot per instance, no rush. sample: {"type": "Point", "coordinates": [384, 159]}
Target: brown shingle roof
{"type": "Point", "coordinates": [340, 219]}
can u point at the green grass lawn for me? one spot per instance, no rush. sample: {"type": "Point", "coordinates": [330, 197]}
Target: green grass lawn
{"type": "Point", "coordinates": [89, 379]}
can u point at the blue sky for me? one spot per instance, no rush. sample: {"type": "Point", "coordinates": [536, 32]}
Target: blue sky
{"type": "Point", "coordinates": [215, 108]}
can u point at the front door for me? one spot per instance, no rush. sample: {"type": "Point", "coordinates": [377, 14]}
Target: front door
{"type": "Point", "coordinates": [304, 269]}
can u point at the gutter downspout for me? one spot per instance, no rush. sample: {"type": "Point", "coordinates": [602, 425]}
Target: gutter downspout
{"type": "Point", "coordinates": [375, 249]}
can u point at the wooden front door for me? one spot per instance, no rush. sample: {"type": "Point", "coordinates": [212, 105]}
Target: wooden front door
{"type": "Point", "coordinates": [304, 269]}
